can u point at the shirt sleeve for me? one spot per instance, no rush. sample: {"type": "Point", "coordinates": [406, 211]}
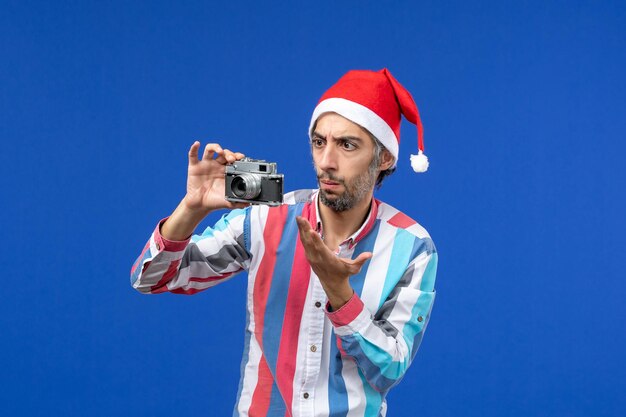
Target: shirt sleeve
{"type": "Point", "coordinates": [384, 344]}
{"type": "Point", "coordinates": [195, 264]}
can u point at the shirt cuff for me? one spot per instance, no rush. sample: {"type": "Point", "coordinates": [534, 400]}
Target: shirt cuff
{"type": "Point", "coordinates": [163, 244]}
{"type": "Point", "coordinates": [347, 313]}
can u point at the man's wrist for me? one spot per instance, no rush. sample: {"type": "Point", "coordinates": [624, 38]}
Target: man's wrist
{"type": "Point", "coordinates": [192, 215]}
{"type": "Point", "coordinates": [182, 223]}
{"type": "Point", "coordinates": [339, 296]}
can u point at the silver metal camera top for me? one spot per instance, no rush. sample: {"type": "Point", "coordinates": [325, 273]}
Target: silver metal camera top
{"type": "Point", "coordinates": [258, 166]}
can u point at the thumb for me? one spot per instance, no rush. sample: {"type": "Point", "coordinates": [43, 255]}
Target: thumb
{"type": "Point", "coordinates": [356, 264]}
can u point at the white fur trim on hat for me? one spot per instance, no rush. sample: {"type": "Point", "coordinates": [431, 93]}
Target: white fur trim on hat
{"type": "Point", "coordinates": [362, 116]}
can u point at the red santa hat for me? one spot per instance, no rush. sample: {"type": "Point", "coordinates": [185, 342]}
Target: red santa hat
{"type": "Point", "coordinates": [375, 100]}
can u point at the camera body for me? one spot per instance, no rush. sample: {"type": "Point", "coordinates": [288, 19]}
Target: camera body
{"type": "Point", "coordinates": [254, 181]}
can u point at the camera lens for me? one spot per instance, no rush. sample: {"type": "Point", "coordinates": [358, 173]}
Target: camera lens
{"type": "Point", "coordinates": [246, 186]}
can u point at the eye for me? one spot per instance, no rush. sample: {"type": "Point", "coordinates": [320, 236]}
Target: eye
{"type": "Point", "coordinates": [348, 146]}
{"type": "Point", "coordinates": [317, 142]}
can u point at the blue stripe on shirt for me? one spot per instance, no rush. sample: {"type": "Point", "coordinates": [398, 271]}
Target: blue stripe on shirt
{"type": "Point", "coordinates": [403, 245]}
{"type": "Point", "coordinates": [337, 393]}
{"type": "Point", "coordinates": [337, 397]}
{"type": "Point", "coordinates": [428, 279]}
{"type": "Point", "coordinates": [365, 245]}
{"type": "Point", "coordinates": [418, 337]}
{"type": "Point", "coordinates": [246, 231]}
{"type": "Point", "coordinates": [368, 358]}
{"type": "Point", "coordinates": [372, 397]}
{"type": "Point", "coordinates": [377, 364]}
{"type": "Point", "coordinates": [220, 226]}
{"type": "Point", "coordinates": [277, 405]}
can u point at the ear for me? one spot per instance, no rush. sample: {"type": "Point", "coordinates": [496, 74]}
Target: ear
{"type": "Point", "coordinates": [386, 160]}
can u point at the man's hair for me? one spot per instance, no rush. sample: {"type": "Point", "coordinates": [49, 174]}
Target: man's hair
{"type": "Point", "coordinates": [379, 148]}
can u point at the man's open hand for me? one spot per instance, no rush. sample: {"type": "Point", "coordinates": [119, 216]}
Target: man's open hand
{"type": "Point", "coordinates": [333, 272]}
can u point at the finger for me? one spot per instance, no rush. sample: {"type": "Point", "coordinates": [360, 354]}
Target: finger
{"type": "Point", "coordinates": [239, 155]}
{"type": "Point", "coordinates": [303, 224]}
{"type": "Point", "coordinates": [317, 242]}
{"type": "Point", "coordinates": [306, 230]}
{"type": "Point", "coordinates": [360, 260]}
{"type": "Point", "coordinates": [316, 249]}
{"type": "Point", "coordinates": [229, 156]}
{"type": "Point", "coordinates": [355, 265]}
{"type": "Point", "coordinates": [210, 150]}
{"type": "Point", "coordinates": [193, 153]}
{"type": "Point", "coordinates": [309, 238]}
{"type": "Point", "coordinates": [208, 153]}
{"type": "Point", "coordinates": [221, 157]}
{"type": "Point", "coordinates": [303, 228]}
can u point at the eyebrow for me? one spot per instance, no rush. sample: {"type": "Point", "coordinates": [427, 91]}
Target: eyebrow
{"type": "Point", "coordinates": [346, 137]}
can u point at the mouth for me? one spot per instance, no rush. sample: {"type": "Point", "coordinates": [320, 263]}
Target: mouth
{"type": "Point", "coordinates": [329, 186]}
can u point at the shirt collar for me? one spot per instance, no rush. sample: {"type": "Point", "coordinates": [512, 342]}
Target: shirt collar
{"type": "Point", "coordinates": [357, 236]}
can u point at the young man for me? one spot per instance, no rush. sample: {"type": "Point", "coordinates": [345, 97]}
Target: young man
{"type": "Point", "coordinates": [340, 285]}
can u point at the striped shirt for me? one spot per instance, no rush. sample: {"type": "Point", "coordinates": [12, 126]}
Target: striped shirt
{"type": "Point", "coordinates": [300, 358]}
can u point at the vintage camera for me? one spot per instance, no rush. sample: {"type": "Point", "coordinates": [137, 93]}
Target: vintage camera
{"type": "Point", "coordinates": [254, 181]}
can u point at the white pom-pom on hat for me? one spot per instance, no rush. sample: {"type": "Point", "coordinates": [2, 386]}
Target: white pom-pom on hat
{"type": "Point", "coordinates": [419, 162]}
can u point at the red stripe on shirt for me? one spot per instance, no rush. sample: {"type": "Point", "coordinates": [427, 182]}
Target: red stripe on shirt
{"type": "Point", "coordinates": [401, 220]}
{"type": "Point", "coordinates": [189, 291]}
{"type": "Point", "coordinates": [347, 313]}
{"type": "Point", "coordinates": [262, 392]}
{"type": "Point", "coordinates": [298, 287]}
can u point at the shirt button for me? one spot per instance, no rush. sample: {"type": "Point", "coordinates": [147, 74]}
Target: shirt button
{"type": "Point", "coordinates": [318, 304]}
{"type": "Point", "coordinates": [313, 348]}
{"type": "Point", "coordinates": [305, 395]}
{"type": "Point", "coordinates": [420, 319]}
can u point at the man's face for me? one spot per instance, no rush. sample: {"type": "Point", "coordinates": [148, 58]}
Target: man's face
{"type": "Point", "coordinates": [343, 155]}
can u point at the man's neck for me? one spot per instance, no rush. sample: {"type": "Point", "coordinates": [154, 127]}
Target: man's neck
{"type": "Point", "coordinates": [339, 225]}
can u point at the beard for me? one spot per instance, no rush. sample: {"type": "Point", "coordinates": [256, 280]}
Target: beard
{"type": "Point", "coordinates": [354, 191]}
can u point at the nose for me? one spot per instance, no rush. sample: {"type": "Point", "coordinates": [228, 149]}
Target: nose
{"type": "Point", "coordinates": [327, 159]}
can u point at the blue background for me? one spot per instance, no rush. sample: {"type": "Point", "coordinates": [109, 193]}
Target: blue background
{"type": "Point", "coordinates": [523, 105]}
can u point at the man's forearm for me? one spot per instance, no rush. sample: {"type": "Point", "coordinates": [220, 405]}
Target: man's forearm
{"type": "Point", "coordinates": [338, 295]}
{"type": "Point", "coordinates": [182, 223]}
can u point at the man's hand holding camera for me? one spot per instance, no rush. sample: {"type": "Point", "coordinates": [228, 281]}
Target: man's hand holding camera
{"type": "Point", "coordinates": [205, 177]}
{"type": "Point", "coordinates": [205, 190]}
